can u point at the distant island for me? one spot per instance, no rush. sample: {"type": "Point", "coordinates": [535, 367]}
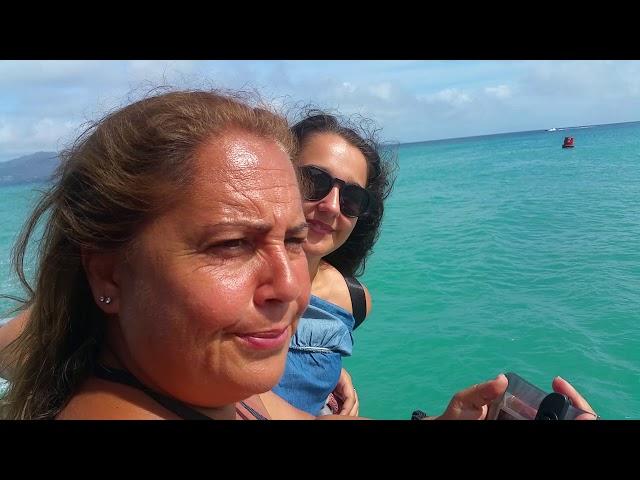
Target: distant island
{"type": "Point", "coordinates": [37, 167]}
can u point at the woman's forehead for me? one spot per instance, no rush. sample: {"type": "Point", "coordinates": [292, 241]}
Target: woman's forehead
{"type": "Point", "coordinates": [235, 153]}
{"type": "Point", "coordinates": [242, 174]}
{"type": "Point", "coordinates": [337, 156]}
{"type": "Point", "coordinates": [257, 197]}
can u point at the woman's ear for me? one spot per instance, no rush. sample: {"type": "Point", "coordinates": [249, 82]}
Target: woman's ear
{"type": "Point", "coordinates": [102, 274]}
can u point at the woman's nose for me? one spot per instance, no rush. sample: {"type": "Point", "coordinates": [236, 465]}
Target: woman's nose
{"type": "Point", "coordinates": [331, 203]}
{"type": "Point", "coordinates": [279, 282]}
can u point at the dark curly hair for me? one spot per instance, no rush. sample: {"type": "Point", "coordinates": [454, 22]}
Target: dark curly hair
{"type": "Point", "coordinates": [351, 257]}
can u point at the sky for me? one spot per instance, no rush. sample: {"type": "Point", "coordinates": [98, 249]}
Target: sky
{"type": "Point", "coordinates": [43, 104]}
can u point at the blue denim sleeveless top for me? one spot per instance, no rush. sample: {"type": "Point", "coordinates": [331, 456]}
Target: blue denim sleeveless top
{"type": "Point", "coordinates": [314, 361]}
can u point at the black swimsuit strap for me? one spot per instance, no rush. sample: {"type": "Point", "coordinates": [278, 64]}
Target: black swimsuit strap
{"type": "Point", "coordinates": [358, 300]}
{"type": "Point", "coordinates": [179, 408]}
{"type": "Point", "coordinates": [253, 412]}
{"type": "Point", "coordinates": [125, 378]}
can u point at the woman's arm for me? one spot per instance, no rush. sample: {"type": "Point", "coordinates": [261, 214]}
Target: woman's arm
{"type": "Point", "coordinates": [280, 409]}
{"type": "Point", "coordinates": [367, 297]}
{"type": "Point", "coordinates": [8, 333]}
{"type": "Point", "coordinates": [346, 393]}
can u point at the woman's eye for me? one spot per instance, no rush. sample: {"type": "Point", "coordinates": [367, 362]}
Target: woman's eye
{"type": "Point", "coordinates": [231, 245]}
{"type": "Point", "coordinates": [295, 243]}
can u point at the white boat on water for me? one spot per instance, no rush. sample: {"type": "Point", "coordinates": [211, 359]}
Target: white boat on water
{"type": "Point", "coordinates": [552, 129]}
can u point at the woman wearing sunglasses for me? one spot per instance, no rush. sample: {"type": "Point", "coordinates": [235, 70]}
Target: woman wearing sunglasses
{"type": "Point", "coordinates": [344, 183]}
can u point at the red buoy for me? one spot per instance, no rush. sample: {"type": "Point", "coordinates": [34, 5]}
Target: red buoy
{"type": "Point", "coordinates": [568, 142]}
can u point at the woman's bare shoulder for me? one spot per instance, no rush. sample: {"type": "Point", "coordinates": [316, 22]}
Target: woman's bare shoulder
{"type": "Point", "coordinates": [334, 289]}
{"type": "Point", "coordinates": [97, 399]}
{"type": "Point", "coordinates": [280, 409]}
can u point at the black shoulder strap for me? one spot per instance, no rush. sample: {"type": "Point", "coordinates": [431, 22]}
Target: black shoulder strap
{"type": "Point", "coordinates": [125, 378]}
{"type": "Point", "coordinates": [253, 412]}
{"type": "Point", "coordinates": [358, 300]}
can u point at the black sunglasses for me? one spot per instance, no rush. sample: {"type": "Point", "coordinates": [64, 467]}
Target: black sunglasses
{"type": "Point", "coordinates": [316, 184]}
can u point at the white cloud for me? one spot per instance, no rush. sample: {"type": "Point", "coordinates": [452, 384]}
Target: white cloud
{"type": "Point", "coordinates": [24, 136]}
{"type": "Point", "coordinates": [7, 133]}
{"type": "Point", "coordinates": [48, 131]}
{"type": "Point", "coordinates": [451, 96]}
{"type": "Point", "coordinates": [382, 90]}
{"type": "Point", "coordinates": [24, 73]}
{"type": "Point", "coordinates": [42, 103]}
{"type": "Point", "coordinates": [590, 79]}
{"type": "Point", "coordinates": [349, 87]}
{"type": "Point", "coordinates": [501, 91]}
{"type": "Point", "coordinates": [170, 72]}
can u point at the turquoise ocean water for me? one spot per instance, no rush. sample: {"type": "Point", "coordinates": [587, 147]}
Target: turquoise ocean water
{"type": "Point", "coordinates": [498, 253]}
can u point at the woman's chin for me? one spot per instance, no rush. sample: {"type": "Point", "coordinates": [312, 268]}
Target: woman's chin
{"type": "Point", "coordinates": [262, 385]}
{"type": "Point", "coordinates": [267, 376]}
{"type": "Point", "coordinates": [318, 247]}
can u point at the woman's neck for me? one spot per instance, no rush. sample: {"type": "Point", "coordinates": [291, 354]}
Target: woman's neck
{"type": "Point", "coordinates": [323, 279]}
{"type": "Point", "coordinates": [314, 265]}
{"type": "Point", "coordinates": [228, 412]}
{"type": "Point", "coordinates": [109, 359]}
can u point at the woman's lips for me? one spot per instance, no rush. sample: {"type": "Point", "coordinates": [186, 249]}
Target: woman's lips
{"type": "Point", "coordinates": [272, 339]}
{"type": "Point", "coordinates": [319, 227]}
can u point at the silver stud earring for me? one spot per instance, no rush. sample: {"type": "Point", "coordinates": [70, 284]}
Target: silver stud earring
{"type": "Point", "coordinates": [101, 299]}
{"type": "Point", "coordinates": [107, 300]}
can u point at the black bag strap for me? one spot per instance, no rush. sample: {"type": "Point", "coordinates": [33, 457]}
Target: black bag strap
{"type": "Point", "coordinates": [358, 300]}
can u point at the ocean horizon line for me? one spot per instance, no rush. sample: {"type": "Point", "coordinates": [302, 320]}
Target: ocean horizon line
{"type": "Point", "coordinates": [419, 142]}
{"type": "Point", "coordinates": [510, 133]}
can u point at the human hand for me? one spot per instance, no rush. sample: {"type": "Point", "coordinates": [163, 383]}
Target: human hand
{"type": "Point", "coordinates": [347, 395]}
{"type": "Point", "coordinates": [560, 385]}
{"type": "Point", "coordinates": [473, 402]}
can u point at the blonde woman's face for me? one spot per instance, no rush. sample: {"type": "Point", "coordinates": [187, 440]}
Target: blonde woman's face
{"type": "Point", "coordinates": [215, 287]}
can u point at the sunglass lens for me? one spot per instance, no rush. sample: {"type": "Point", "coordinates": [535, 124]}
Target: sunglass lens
{"type": "Point", "coordinates": [317, 183]}
{"type": "Point", "coordinates": [354, 200]}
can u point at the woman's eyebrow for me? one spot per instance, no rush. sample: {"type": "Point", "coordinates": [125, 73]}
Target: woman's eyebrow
{"type": "Point", "coordinates": [255, 225]}
{"type": "Point", "coordinates": [298, 228]}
